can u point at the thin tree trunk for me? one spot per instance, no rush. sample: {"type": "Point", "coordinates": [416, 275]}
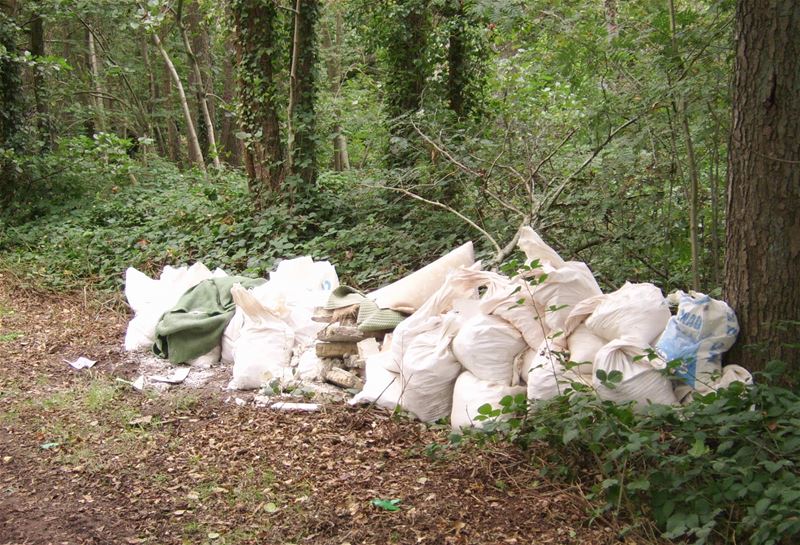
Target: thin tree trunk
{"type": "Point", "coordinates": [680, 109]}
{"type": "Point", "coordinates": [99, 109]}
{"type": "Point", "coordinates": [202, 98]}
{"type": "Point", "coordinates": [173, 136]}
{"type": "Point", "coordinates": [716, 268]}
{"type": "Point", "coordinates": [293, 86]}
{"type": "Point", "coordinates": [230, 146]}
{"type": "Point", "coordinates": [37, 50]}
{"type": "Point", "coordinates": [195, 153]}
{"type": "Point", "coordinates": [333, 65]}
{"type": "Point", "coordinates": [762, 261]}
{"type": "Point", "coordinates": [456, 60]}
{"type": "Point", "coordinates": [154, 129]}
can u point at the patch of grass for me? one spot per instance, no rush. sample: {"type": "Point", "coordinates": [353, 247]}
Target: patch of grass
{"type": "Point", "coordinates": [12, 336]}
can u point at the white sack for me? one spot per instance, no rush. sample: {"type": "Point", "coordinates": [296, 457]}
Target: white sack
{"type": "Point", "coordinates": [382, 387]}
{"type": "Point", "coordinates": [513, 301]}
{"type": "Point", "coordinates": [229, 337]}
{"type": "Point", "coordinates": [428, 369]}
{"type": "Point", "coordinates": [264, 348]}
{"type": "Point", "coordinates": [535, 248]}
{"type": "Point", "coordinates": [701, 331]}
{"type": "Point", "coordinates": [409, 293]}
{"type": "Point", "coordinates": [470, 393]}
{"type": "Point", "coordinates": [641, 380]}
{"type": "Point", "coordinates": [583, 346]}
{"type": "Point", "coordinates": [486, 346]}
{"type": "Point", "coordinates": [545, 373]}
{"type": "Point", "coordinates": [309, 365]}
{"type": "Point", "coordinates": [150, 299]}
{"type": "Point", "coordinates": [209, 359]}
{"type": "Point", "coordinates": [635, 311]}
{"type": "Point", "coordinates": [304, 274]}
{"type": "Point", "coordinates": [730, 374]}
{"type": "Point", "coordinates": [565, 287]}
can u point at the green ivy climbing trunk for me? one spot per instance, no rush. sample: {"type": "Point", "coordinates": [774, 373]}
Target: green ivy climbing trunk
{"type": "Point", "coordinates": [258, 47]}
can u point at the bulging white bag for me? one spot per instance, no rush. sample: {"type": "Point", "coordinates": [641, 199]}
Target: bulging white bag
{"type": "Point", "coordinates": [264, 348]}
{"type": "Point", "coordinates": [229, 337]}
{"type": "Point", "coordinates": [429, 369]}
{"type": "Point", "coordinates": [701, 331]}
{"type": "Point", "coordinates": [642, 380]}
{"type": "Point", "coordinates": [583, 346]}
{"type": "Point", "coordinates": [513, 301]}
{"type": "Point", "coordinates": [470, 393]}
{"type": "Point", "coordinates": [635, 311]}
{"type": "Point", "coordinates": [486, 346]}
{"type": "Point", "coordinates": [565, 287]}
{"type": "Point", "coordinates": [382, 387]}
{"type": "Point", "coordinates": [409, 293]}
{"type": "Point", "coordinates": [546, 374]}
{"type": "Point", "coordinates": [150, 299]}
{"type": "Point", "coordinates": [535, 248]}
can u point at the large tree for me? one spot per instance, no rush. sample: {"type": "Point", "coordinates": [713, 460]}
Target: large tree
{"type": "Point", "coordinates": [762, 272]}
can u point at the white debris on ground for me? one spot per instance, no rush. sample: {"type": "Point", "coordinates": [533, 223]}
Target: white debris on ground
{"type": "Point", "coordinates": [473, 337]}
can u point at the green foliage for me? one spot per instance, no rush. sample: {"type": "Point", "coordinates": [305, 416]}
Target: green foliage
{"type": "Point", "coordinates": [723, 469]}
{"type": "Point", "coordinates": [104, 223]}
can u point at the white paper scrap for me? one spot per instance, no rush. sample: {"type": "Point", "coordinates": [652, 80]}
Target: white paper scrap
{"type": "Point", "coordinates": [81, 363]}
{"type": "Point", "coordinates": [177, 376]}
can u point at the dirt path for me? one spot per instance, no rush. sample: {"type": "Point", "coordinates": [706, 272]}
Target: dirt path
{"type": "Point", "coordinates": [85, 459]}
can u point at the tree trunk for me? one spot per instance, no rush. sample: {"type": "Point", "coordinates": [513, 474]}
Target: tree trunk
{"type": "Point", "coordinates": [333, 66]}
{"type": "Point", "coordinates": [762, 265]}
{"type": "Point", "coordinates": [99, 108]}
{"type": "Point", "coordinates": [173, 136]}
{"type": "Point", "coordinates": [257, 51]}
{"type": "Point", "coordinates": [11, 107]}
{"type": "Point", "coordinates": [152, 98]}
{"type": "Point", "coordinates": [302, 148]}
{"type": "Point", "coordinates": [680, 110]}
{"type": "Point", "coordinates": [39, 92]}
{"type": "Point", "coordinates": [230, 146]}
{"type": "Point", "coordinates": [201, 98]}
{"type": "Point", "coordinates": [195, 153]}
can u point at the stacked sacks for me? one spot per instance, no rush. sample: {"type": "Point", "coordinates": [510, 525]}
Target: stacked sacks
{"type": "Point", "coordinates": [633, 316]}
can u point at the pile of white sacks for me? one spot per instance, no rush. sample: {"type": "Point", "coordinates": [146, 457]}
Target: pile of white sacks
{"type": "Point", "coordinates": [483, 336]}
{"type": "Point", "coordinates": [272, 322]}
{"type": "Point", "coordinates": [473, 336]}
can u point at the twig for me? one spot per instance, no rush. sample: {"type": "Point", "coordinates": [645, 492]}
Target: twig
{"type": "Point", "coordinates": [547, 203]}
{"type": "Point", "coordinates": [447, 154]}
{"type": "Point", "coordinates": [444, 207]}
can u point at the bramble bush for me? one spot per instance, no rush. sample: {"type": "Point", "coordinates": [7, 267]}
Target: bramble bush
{"type": "Point", "coordinates": [722, 469]}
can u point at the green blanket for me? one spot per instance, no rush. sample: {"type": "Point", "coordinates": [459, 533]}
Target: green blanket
{"type": "Point", "coordinates": [195, 325]}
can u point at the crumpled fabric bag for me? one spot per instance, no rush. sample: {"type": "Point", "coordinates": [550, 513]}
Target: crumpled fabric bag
{"type": "Point", "coordinates": [699, 334]}
{"type": "Point", "coordinates": [469, 393]}
{"type": "Point", "coordinates": [642, 380]}
{"type": "Point", "coordinates": [264, 349]}
{"type": "Point", "coordinates": [635, 311]}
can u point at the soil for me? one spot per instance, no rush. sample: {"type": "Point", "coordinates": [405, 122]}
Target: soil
{"type": "Point", "coordinates": [86, 459]}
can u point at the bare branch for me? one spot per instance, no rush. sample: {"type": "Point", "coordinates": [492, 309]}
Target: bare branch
{"type": "Point", "coordinates": [443, 207]}
{"type": "Point", "coordinates": [447, 154]}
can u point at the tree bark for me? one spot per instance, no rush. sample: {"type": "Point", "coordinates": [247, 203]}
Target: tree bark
{"type": "Point", "coordinates": [256, 43]}
{"type": "Point", "coordinates": [333, 66]}
{"type": "Point", "coordinates": [202, 98]}
{"type": "Point", "coordinates": [97, 98]}
{"type": "Point", "coordinates": [195, 153]}
{"type": "Point", "coordinates": [302, 100]}
{"type": "Point", "coordinates": [173, 136]}
{"type": "Point", "coordinates": [762, 265]}
{"type": "Point", "coordinates": [230, 146]}
{"type": "Point", "coordinates": [152, 98]}
{"type": "Point", "coordinates": [456, 61]}
{"type": "Point", "coordinates": [39, 92]}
